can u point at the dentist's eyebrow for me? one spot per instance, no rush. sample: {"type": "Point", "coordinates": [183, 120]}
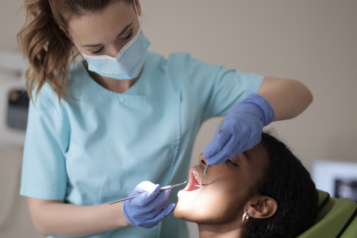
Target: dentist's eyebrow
{"type": "Point", "coordinates": [125, 29]}
{"type": "Point", "coordinates": [92, 45]}
{"type": "Point", "coordinates": [122, 32]}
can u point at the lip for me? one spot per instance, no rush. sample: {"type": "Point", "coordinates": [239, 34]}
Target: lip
{"type": "Point", "coordinates": [194, 179]}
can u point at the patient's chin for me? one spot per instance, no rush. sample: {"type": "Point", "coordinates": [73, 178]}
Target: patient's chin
{"type": "Point", "coordinates": [193, 212]}
{"type": "Point", "coordinates": [180, 212]}
{"type": "Point", "coordinates": [183, 215]}
{"type": "Point", "coordinates": [185, 212]}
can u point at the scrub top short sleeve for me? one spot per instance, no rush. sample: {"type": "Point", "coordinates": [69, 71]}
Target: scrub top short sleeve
{"type": "Point", "coordinates": [44, 173]}
{"type": "Point", "coordinates": [217, 88]}
{"type": "Point", "coordinates": [97, 147]}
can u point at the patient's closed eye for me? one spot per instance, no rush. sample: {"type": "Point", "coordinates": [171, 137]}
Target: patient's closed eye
{"type": "Point", "coordinates": [231, 163]}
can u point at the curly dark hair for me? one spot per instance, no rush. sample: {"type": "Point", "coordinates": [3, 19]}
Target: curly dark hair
{"type": "Point", "coordinates": [289, 183]}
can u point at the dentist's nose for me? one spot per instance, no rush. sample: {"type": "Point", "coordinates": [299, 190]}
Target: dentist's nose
{"type": "Point", "coordinates": [114, 51]}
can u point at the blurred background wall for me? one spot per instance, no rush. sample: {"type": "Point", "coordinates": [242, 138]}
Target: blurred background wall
{"type": "Point", "coordinates": [314, 41]}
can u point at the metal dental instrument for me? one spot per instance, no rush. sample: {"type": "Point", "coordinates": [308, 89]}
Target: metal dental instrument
{"type": "Point", "coordinates": [162, 188]}
{"type": "Point", "coordinates": [205, 171]}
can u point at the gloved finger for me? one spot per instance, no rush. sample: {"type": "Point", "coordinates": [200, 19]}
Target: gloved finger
{"type": "Point", "coordinates": [161, 199]}
{"type": "Point", "coordinates": [217, 143]}
{"type": "Point", "coordinates": [164, 213]}
{"type": "Point", "coordinates": [157, 204]}
{"type": "Point", "coordinates": [218, 158]}
{"type": "Point", "coordinates": [142, 187]}
{"type": "Point", "coordinates": [225, 153]}
{"type": "Point", "coordinates": [145, 198]}
{"type": "Point", "coordinates": [218, 127]}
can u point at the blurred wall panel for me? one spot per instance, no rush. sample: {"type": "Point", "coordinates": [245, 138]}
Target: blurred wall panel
{"type": "Point", "coordinates": [11, 20]}
{"type": "Point", "coordinates": [313, 41]}
{"type": "Point", "coordinates": [15, 219]}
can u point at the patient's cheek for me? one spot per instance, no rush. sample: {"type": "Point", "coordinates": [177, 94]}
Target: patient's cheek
{"type": "Point", "coordinates": [219, 200]}
{"type": "Point", "coordinates": [202, 208]}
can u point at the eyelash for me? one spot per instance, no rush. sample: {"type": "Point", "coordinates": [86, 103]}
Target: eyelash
{"type": "Point", "coordinates": [231, 163]}
{"type": "Point", "coordinates": [125, 38]}
{"type": "Point", "coordinates": [96, 52]}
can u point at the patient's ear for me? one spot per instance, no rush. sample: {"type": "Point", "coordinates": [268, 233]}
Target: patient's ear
{"type": "Point", "coordinates": [261, 207]}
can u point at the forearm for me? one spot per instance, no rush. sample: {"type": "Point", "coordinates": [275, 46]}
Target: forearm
{"type": "Point", "coordinates": [289, 98]}
{"type": "Point", "coordinates": [59, 219]}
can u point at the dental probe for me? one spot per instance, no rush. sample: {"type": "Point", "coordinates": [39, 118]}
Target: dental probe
{"type": "Point", "coordinates": [205, 171]}
{"type": "Point", "coordinates": [162, 188]}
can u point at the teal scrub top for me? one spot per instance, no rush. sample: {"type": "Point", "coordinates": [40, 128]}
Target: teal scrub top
{"type": "Point", "coordinates": [97, 146]}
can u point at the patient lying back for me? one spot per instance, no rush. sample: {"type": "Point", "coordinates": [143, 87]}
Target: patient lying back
{"type": "Point", "coordinates": [263, 192]}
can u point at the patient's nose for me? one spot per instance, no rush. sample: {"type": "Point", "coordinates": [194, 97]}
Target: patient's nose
{"type": "Point", "coordinates": [201, 160]}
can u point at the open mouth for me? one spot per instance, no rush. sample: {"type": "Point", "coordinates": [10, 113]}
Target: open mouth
{"type": "Point", "coordinates": [194, 180]}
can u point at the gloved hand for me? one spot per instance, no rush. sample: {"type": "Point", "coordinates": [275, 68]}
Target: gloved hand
{"type": "Point", "coordinates": [149, 208]}
{"type": "Point", "coordinates": [241, 130]}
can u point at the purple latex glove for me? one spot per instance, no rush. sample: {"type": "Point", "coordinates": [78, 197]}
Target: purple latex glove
{"type": "Point", "coordinates": [241, 130]}
{"type": "Point", "coordinates": [149, 208]}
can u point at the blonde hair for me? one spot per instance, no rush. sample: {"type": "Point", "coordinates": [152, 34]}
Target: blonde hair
{"type": "Point", "coordinates": [47, 48]}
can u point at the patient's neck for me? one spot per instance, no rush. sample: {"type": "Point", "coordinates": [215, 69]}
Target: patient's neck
{"type": "Point", "coordinates": [231, 230]}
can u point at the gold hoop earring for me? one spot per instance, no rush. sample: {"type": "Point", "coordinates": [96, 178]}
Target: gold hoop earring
{"type": "Point", "coordinates": [245, 217]}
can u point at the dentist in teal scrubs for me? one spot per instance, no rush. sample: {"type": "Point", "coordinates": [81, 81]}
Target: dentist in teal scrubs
{"type": "Point", "coordinates": [124, 120]}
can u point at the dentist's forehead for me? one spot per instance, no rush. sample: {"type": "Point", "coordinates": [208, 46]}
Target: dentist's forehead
{"type": "Point", "coordinates": [100, 27]}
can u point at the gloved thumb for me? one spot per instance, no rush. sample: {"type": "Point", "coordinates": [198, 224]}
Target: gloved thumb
{"type": "Point", "coordinates": [165, 212]}
{"type": "Point", "coordinates": [161, 216]}
{"type": "Point", "coordinates": [217, 143]}
{"type": "Point", "coordinates": [145, 198]}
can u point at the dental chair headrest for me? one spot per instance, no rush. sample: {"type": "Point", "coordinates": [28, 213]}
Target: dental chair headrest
{"type": "Point", "coordinates": [336, 218]}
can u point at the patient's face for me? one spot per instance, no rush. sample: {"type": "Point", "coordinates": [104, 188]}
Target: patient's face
{"type": "Point", "coordinates": [225, 190]}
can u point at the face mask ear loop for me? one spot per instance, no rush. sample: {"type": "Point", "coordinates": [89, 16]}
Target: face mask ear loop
{"type": "Point", "coordinates": [137, 14]}
{"type": "Point", "coordinates": [76, 46]}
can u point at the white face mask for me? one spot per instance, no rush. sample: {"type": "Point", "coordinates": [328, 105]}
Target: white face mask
{"type": "Point", "coordinates": [127, 64]}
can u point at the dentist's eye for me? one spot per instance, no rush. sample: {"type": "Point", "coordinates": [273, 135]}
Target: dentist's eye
{"type": "Point", "coordinates": [231, 163]}
{"type": "Point", "coordinates": [128, 36]}
{"type": "Point", "coordinates": [98, 51]}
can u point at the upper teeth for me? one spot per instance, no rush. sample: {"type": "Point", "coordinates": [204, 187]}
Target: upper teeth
{"type": "Point", "coordinates": [196, 175]}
